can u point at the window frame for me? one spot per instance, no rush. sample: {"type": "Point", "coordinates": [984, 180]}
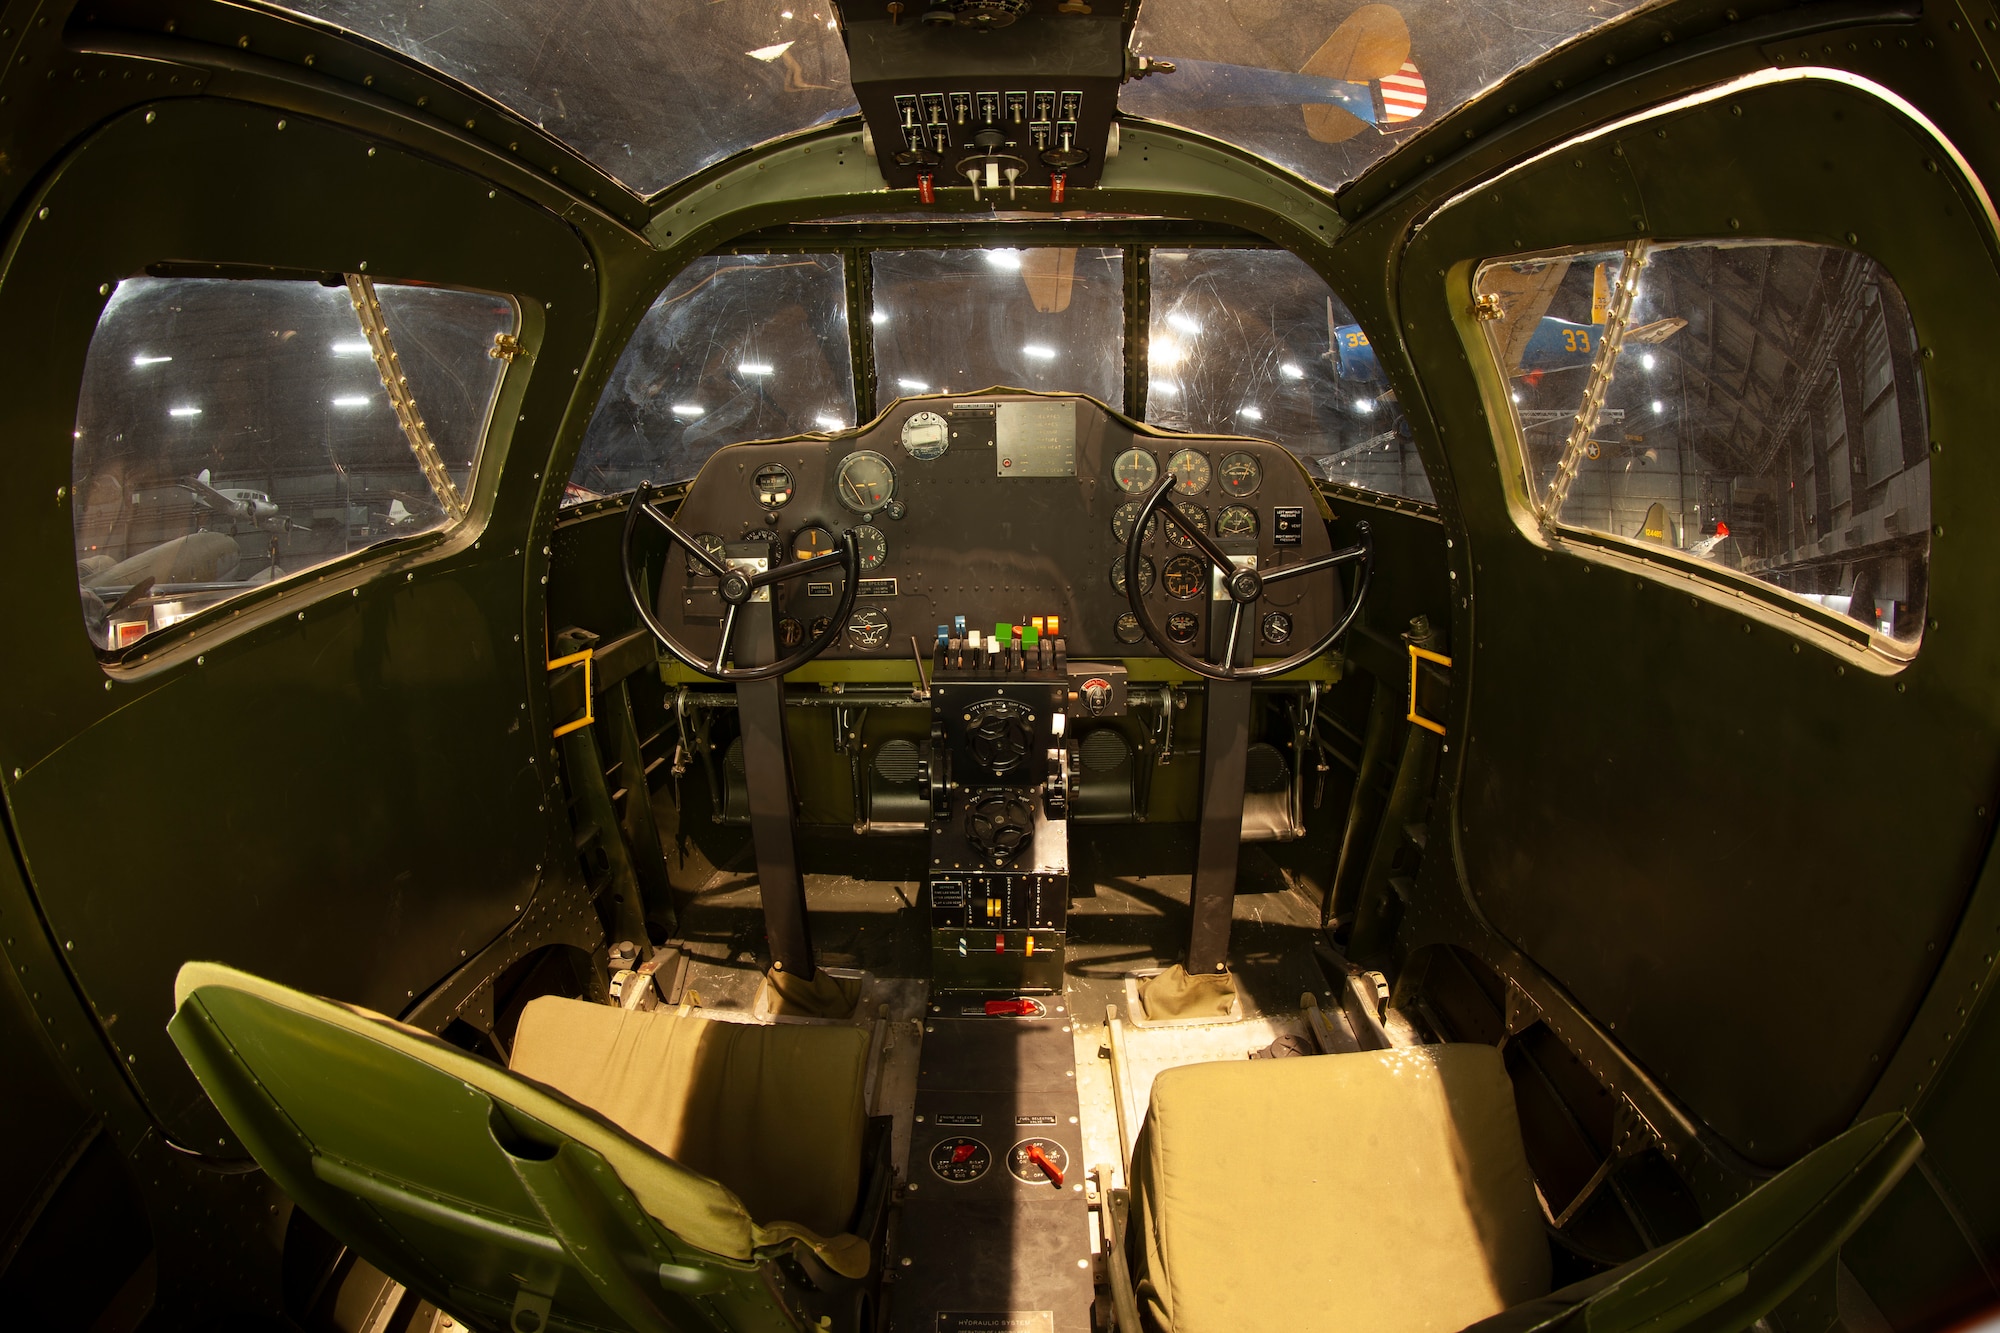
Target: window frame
{"type": "Point", "coordinates": [1787, 608]}
{"type": "Point", "coordinates": [488, 463]}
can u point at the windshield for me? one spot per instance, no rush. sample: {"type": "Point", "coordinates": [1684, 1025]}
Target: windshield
{"type": "Point", "coordinates": [648, 93]}
{"type": "Point", "coordinates": [651, 94]}
{"type": "Point", "coordinates": [1210, 340]}
{"type": "Point", "coordinates": [1329, 89]}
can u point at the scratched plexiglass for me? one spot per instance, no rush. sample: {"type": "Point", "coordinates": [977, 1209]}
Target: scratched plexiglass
{"type": "Point", "coordinates": [1253, 342]}
{"type": "Point", "coordinates": [648, 92]}
{"type": "Point", "coordinates": [231, 434]}
{"type": "Point", "coordinates": [1328, 89]}
{"type": "Point", "coordinates": [738, 347]}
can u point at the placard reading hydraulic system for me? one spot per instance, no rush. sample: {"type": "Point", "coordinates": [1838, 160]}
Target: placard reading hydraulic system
{"type": "Point", "coordinates": [1035, 440]}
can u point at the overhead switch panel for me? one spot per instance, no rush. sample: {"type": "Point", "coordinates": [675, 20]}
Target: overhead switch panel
{"type": "Point", "coordinates": [987, 96]}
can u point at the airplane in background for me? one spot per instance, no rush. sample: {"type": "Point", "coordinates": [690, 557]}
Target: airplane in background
{"type": "Point", "coordinates": [239, 505]}
{"type": "Point", "coordinates": [1555, 344]}
{"type": "Point", "coordinates": [1361, 76]}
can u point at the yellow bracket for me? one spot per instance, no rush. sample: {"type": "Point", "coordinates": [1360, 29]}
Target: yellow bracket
{"type": "Point", "coordinates": [1428, 656]}
{"type": "Point", "coordinates": [590, 696]}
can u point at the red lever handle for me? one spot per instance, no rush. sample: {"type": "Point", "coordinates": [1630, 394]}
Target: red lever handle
{"type": "Point", "coordinates": [1041, 1159]}
{"type": "Point", "coordinates": [963, 1152]}
{"type": "Point", "coordinates": [926, 191]}
{"type": "Point", "coordinates": [1009, 1008]}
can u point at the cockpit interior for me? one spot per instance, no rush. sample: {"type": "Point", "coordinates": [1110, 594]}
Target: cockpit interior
{"type": "Point", "coordinates": [1000, 666]}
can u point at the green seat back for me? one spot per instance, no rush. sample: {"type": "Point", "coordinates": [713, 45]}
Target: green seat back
{"type": "Point", "coordinates": [494, 1198]}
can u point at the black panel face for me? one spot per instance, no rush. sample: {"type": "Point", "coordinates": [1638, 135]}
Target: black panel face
{"type": "Point", "coordinates": [1017, 517]}
{"type": "Point", "coordinates": [1023, 88]}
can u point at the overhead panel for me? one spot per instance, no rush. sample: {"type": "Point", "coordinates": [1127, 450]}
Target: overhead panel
{"type": "Point", "coordinates": [990, 95]}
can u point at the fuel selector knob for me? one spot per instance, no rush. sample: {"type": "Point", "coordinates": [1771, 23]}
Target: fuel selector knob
{"type": "Point", "coordinates": [1095, 695]}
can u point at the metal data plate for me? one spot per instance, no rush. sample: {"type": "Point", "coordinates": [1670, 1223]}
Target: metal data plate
{"type": "Point", "coordinates": [1035, 439]}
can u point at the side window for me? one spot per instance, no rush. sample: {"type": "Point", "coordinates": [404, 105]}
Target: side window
{"type": "Point", "coordinates": [1253, 342]}
{"type": "Point", "coordinates": [738, 347]}
{"type": "Point", "coordinates": [957, 321]}
{"type": "Point", "coordinates": [1755, 406]}
{"type": "Point", "coordinates": [231, 434]}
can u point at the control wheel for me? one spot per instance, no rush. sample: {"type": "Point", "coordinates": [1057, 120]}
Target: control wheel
{"type": "Point", "coordinates": [737, 587]}
{"type": "Point", "coordinates": [1245, 587]}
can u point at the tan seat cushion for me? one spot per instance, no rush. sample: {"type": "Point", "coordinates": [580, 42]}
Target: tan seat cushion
{"type": "Point", "coordinates": [1383, 1190]}
{"type": "Point", "coordinates": [772, 1112]}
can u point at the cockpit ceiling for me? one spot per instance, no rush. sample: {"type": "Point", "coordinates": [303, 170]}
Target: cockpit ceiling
{"type": "Point", "coordinates": [651, 93]}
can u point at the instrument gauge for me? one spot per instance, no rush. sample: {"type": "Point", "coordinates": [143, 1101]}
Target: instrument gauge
{"type": "Point", "coordinates": [820, 625]}
{"type": "Point", "coordinates": [790, 633]}
{"type": "Point", "coordinates": [710, 543]}
{"type": "Point", "coordinates": [1182, 627]}
{"type": "Point", "coordinates": [870, 545]}
{"type": "Point", "coordinates": [811, 541]}
{"type": "Point", "coordinates": [1277, 627]}
{"type": "Point", "coordinates": [1236, 521]}
{"type": "Point", "coordinates": [1127, 629]}
{"type": "Point", "coordinates": [1185, 577]}
{"type": "Point", "coordinates": [1193, 516]}
{"type": "Point", "coordinates": [1241, 474]}
{"type": "Point", "coordinates": [1127, 515]}
{"type": "Point", "coordinates": [868, 629]}
{"type": "Point", "coordinates": [926, 436]}
{"type": "Point", "coordinates": [1136, 472]}
{"type": "Point", "coordinates": [773, 485]}
{"type": "Point", "coordinates": [1191, 472]}
{"type": "Point", "coordinates": [1147, 573]}
{"type": "Point", "coordinates": [865, 481]}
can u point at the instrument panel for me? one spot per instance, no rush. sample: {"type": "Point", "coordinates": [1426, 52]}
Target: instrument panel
{"type": "Point", "coordinates": [1004, 508]}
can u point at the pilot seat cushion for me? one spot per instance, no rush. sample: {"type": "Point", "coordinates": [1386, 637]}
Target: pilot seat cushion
{"type": "Point", "coordinates": [1382, 1190]}
{"type": "Point", "coordinates": [773, 1112]}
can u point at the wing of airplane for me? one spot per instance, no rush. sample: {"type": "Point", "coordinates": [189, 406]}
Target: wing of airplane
{"type": "Point", "coordinates": [1525, 291]}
